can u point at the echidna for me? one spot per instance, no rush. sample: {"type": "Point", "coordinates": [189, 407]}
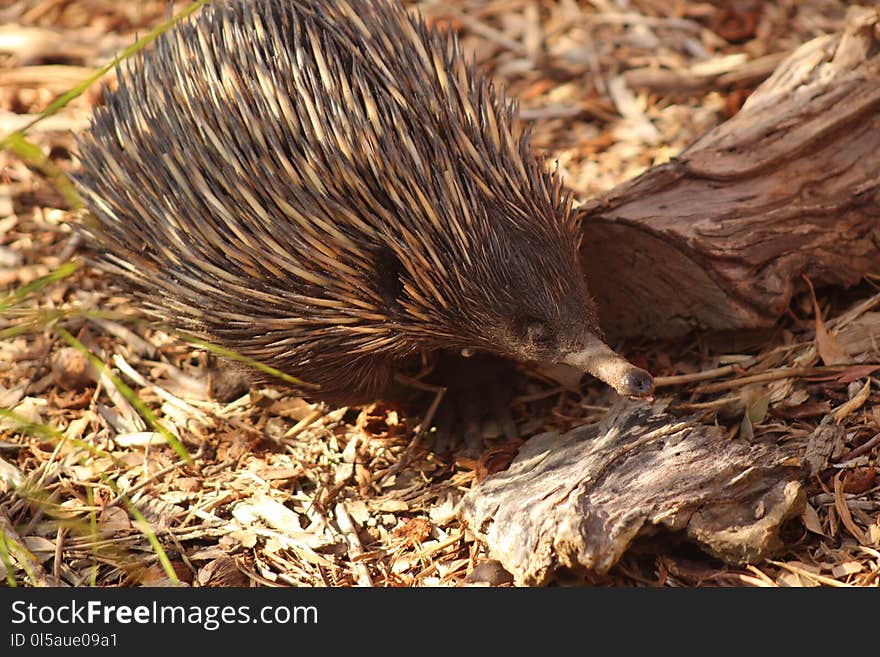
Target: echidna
{"type": "Point", "coordinates": [330, 187]}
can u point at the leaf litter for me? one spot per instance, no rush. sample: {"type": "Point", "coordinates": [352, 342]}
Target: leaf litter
{"type": "Point", "coordinates": [273, 490]}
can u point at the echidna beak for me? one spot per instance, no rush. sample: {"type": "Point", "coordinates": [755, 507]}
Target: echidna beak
{"type": "Point", "coordinates": [601, 361]}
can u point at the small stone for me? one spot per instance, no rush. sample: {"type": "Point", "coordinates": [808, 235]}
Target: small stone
{"type": "Point", "coordinates": [71, 369]}
{"type": "Point", "coordinates": [489, 572]}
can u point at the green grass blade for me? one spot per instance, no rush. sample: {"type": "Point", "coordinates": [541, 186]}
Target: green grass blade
{"type": "Point", "coordinates": [147, 530]}
{"type": "Point", "coordinates": [38, 284]}
{"type": "Point", "coordinates": [34, 155]}
{"type": "Point", "coordinates": [17, 143]}
{"type": "Point", "coordinates": [50, 433]}
{"type": "Point", "coordinates": [59, 103]}
{"type": "Point", "coordinates": [7, 559]}
{"type": "Point", "coordinates": [232, 355]}
{"type": "Point", "coordinates": [145, 412]}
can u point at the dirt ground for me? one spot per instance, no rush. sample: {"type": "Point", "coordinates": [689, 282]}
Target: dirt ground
{"type": "Point", "coordinates": [284, 492]}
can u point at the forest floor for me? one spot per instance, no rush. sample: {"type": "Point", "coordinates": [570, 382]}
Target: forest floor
{"type": "Point", "coordinates": [283, 492]}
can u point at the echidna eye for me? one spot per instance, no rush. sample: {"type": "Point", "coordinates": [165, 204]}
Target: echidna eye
{"type": "Point", "coordinates": [538, 332]}
{"type": "Point", "coordinates": [535, 331]}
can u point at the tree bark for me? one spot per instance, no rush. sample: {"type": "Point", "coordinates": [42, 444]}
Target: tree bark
{"type": "Point", "coordinates": [720, 236]}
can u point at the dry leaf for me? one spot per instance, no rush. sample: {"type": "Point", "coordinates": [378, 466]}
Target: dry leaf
{"type": "Point", "coordinates": [221, 572]}
{"type": "Point", "coordinates": [829, 350]}
{"type": "Point", "coordinates": [392, 506]}
{"type": "Point", "coordinates": [10, 476]}
{"type": "Point", "coordinates": [811, 520]}
{"type": "Point", "coordinates": [246, 537]}
{"type": "Point", "coordinates": [42, 548]}
{"type": "Point", "coordinates": [788, 579]}
{"type": "Point", "coordinates": [846, 568]}
{"type": "Point", "coordinates": [843, 510]}
{"type": "Point", "coordinates": [859, 480]}
{"type": "Point", "coordinates": [139, 439]}
{"type": "Point", "coordinates": [358, 510]}
{"type": "Point", "coordinates": [807, 410]}
{"type": "Point", "coordinates": [416, 530]}
{"type": "Point", "coordinates": [274, 514]}
{"type": "Point", "coordinates": [155, 575]}
{"type": "Point", "coordinates": [856, 372]}
{"type": "Point", "coordinates": [113, 520]}
{"type": "Point", "coordinates": [497, 458]}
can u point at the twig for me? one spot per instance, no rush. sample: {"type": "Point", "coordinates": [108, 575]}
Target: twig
{"type": "Point", "coordinates": [774, 375]}
{"type": "Point", "coordinates": [821, 579]}
{"type": "Point", "coordinates": [724, 370]}
{"type": "Point", "coordinates": [136, 376]}
{"type": "Point", "coordinates": [721, 402]}
{"type": "Point", "coordinates": [489, 33]}
{"type": "Point", "coordinates": [355, 549]}
{"type": "Point", "coordinates": [59, 550]}
{"type": "Point", "coordinates": [303, 424]}
{"type": "Point", "coordinates": [843, 510]}
{"type": "Point", "coordinates": [679, 379]}
{"type": "Point", "coordinates": [761, 575]}
{"type": "Point", "coordinates": [690, 80]}
{"type": "Point", "coordinates": [424, 425]}
{"type": "Point", "coordinates": [445, 543]}
{"type": "Point", "coordinates": [757, 582]}
{"type": "Point", "coordinates": [131, 491]}
{"type": "Point", "coordinates": [861, 449]}
{"type": "Point", "coordinates": [29, 563]}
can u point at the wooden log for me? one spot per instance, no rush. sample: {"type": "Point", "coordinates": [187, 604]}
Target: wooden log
{"type": "Point", "coordinates": [577, 501]}
{"type": "Point", "coordinates": [720, 236]}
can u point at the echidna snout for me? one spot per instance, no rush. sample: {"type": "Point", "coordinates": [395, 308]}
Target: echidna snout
{"type": "Point", "coordinates": [563, 330]}
{"type": "Point", "coordinates": [606, 365]}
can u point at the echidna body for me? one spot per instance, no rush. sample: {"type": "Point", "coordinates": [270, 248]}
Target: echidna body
{"type": "Point", "coordinates": [330, 187]}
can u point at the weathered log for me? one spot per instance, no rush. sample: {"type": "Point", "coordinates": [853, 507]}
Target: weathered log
{"type": "Point", "coordinates": [578, 500]}
{"type": "Point", "coordinates": [720, 236]}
